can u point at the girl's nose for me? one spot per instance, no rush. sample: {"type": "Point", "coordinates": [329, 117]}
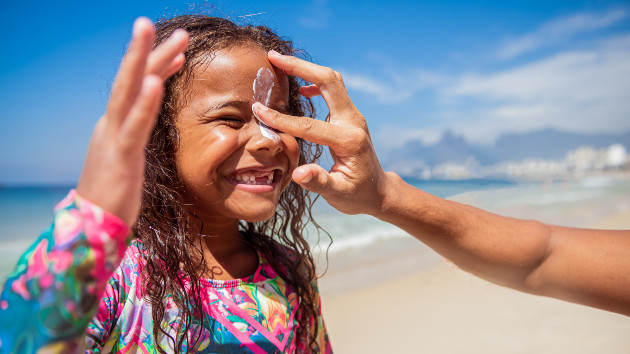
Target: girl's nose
{"type": "Point", "coordinates": [259, 142]}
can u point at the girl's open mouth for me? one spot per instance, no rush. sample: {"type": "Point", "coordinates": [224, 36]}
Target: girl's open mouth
{"type": "Point", "coordinates": [256, 177]}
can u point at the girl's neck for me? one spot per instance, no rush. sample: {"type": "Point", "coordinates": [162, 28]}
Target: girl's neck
{"type": "Point", "coordinates": [226, 253]}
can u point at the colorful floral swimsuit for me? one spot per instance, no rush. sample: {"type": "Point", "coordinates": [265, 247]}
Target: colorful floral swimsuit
{"type": "Point", "coordinates": [70, 292]}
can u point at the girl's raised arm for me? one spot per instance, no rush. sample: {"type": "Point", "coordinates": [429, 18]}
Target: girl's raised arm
{"type": "Point", "coordinates": [50, 297]}
{"type": "Point", "coordinates": [114, 167]}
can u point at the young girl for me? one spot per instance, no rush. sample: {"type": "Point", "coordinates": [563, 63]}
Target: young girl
{"type": "Point", "coordinates": [218, 262]}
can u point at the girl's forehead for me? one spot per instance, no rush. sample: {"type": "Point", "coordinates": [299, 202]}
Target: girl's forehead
{"type": "Point", "coordinates": [233, 68]}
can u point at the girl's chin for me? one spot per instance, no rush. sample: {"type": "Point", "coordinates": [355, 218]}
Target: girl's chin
{"type": "Point", "coordinates": [257, 218]}
{"type": "Point", "coordinates": [256, 212]}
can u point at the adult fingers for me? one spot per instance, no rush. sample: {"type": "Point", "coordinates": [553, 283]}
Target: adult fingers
{"type": "Point", "coordinates": [313, 130]}
{"type": "Point", "coordinates": [129, 78]}
{"type": "Point", "coordinates": [313, 178]}
{"type": "Point", "coordinates": [310, 91]}
{"type": "Point", "coordinates": [137, 127]}
{"type": "Point", "coordinates": [330, 82]}
{"type": "Point", "coordinates": [163, 57]}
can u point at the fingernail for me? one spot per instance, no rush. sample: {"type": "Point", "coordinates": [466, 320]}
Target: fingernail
{"type": "Point", "coordinates": [306, 175]}
{"type": "Point", "coordinates": [274, 53]}
{"type": "Point", "coordinates": [307, 178]}
{"type": "Point", "coordinates": [260, 106]}
{"type": "Point", "coordinates": [137, 23]}
{"type": "Point", "coordinates": [179, 32]}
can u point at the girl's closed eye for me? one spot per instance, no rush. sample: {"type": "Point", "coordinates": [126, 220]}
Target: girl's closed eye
{"type": "Point", "coordinates": [227, 120]}
{"type": "Point", "coordinates": [231, 121]}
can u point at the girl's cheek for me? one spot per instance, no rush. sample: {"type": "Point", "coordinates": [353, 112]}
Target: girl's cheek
{"type": "Point", "coordinates": [292, 150]}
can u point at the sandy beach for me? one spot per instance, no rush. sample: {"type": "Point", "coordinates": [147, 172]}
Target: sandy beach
{"type": "Point", "coordinates": [430, 306]}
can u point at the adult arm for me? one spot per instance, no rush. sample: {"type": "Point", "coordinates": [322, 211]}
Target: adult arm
{"type": "Point", "coordinates": [589, 267]}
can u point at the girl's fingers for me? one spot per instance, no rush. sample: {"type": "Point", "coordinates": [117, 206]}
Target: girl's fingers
{"type": "Point", "coordinates": [129, 78]}
{"type": "Point", "coordinates": [330, 82]}
{"type": "Point", "coordinates": [165, 59]}
{"type": "Point", "coordinates": [139, 123]}
{"type": "Point", "coordinates": [310, 91]}
{"type": "Point", "coordinates": [176, 64]}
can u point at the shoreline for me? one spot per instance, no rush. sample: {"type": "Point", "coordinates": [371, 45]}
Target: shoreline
{"type": "Point", "coordinates": [407, 299]}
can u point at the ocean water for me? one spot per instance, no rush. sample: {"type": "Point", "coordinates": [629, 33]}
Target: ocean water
{"type": "Point", "coordinates": [352, 232]}
{"type": "Point", "coordinates": [26, 211]}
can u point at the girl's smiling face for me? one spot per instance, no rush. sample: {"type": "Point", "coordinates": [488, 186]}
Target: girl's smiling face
{"type": "Point", "coordinates": [228, 168]}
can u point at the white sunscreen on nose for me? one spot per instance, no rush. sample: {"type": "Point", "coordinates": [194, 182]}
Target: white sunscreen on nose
{"type": "Point", "coordinates": [262, 93]}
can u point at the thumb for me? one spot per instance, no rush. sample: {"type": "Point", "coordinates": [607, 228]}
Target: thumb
{"type": "Point", "coordinates": [312, 177]}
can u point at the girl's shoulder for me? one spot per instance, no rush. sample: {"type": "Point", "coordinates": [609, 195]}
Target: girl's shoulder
{"type": "Point", "coordinates": [132, 263]}
{"type": "Point", "coordinates": [135, 250]}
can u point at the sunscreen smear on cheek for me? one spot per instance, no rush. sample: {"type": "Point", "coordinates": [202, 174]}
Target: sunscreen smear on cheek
{"type": "Point", "coordinates": [262, 93]}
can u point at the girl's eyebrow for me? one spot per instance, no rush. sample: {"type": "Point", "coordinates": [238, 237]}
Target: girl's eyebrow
{"type": "Point", "coordinates": [241, 105]}
{"type": "Point", "coordinates": [235, 104]}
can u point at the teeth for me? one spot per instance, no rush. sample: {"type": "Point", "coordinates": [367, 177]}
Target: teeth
{"type": "Point", "coordinates": [250, 177]}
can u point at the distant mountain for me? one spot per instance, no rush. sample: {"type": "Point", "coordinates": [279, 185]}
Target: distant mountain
{"type": "Point", "coordinates": [551, 144]}
{"type": "Point", "coordinates": [542, 144]}
{"type": "Point", "coordinates": [450, 148]}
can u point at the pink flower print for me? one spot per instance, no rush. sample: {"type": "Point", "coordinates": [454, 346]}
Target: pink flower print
{"type": "Point", "coordinates": [92, 211]}
{"type": "Point", "coordinates": [71, 306]}
{"type": "Point", "coordinates": [19, 287]}
{"type": "Point", "coordinates": [204, 336]}
{"type": "Point", "coordinates": [38, 263]}
{"type": "Point", "coordinates": [46, 281]}
{"type": "Point", "coordinates": [62, 260]}
{"type": "Point", "coordinates": [67, 227]}
{"type": "Point", "coordinates": [67, 201]}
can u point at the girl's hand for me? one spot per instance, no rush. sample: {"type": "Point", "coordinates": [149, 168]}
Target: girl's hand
{"type": "Point", "coordinates": [113, 172]}
{"type": "Point", "coordinates": [356, 182]}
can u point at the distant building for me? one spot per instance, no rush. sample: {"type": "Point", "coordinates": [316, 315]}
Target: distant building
{"type": "Point", "coordinates": [585, 158]}
{"type": "Point", "coordinates": [616, 156]}
{"type": "Point", "coordinates": [576, 162]}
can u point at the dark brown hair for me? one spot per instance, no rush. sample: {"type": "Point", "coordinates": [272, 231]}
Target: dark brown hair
{"type": "Point", "coordinates": [174, 258]}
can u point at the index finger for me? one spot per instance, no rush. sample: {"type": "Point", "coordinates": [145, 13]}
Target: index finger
{"type": "Point", "coordinates": [329, 81]}
{"type": "Point", "coordinates": [129, 77]}
{"type": "Point", "coordinates": [313, 130]}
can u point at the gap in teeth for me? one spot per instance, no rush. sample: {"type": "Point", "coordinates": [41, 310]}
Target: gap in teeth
{"type": "Point", "coordinates": [250, 178]}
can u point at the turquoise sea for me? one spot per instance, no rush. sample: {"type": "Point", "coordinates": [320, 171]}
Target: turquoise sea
{"type": "Point", "coordinates": [27, 210]}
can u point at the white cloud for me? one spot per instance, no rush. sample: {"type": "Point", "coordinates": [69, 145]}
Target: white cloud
{"type": "Point", "coordinates": [389, 137]}
{"type": "Point", "coordinates": [396, 86]}
{"type": "Point", "coordinates": [585, 91]}
{"type": "Point", "coordinates": [558, 30]}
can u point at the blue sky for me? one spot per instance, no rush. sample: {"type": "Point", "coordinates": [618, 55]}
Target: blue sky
{"type": "Point", "coordinates": [413, 68]}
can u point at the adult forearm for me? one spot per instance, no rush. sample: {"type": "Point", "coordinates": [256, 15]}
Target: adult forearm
{"type": "Point", "coordinates": [503, 250]}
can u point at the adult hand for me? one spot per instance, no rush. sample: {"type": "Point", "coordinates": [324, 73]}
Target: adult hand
{"type": "Point", "coordinates": [356, 182]}
{"type": "Point", "coordinates": [113, 172]}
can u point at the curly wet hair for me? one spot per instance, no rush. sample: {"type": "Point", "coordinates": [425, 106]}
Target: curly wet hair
{"type": "Point", "coordinates": [173, 257]}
